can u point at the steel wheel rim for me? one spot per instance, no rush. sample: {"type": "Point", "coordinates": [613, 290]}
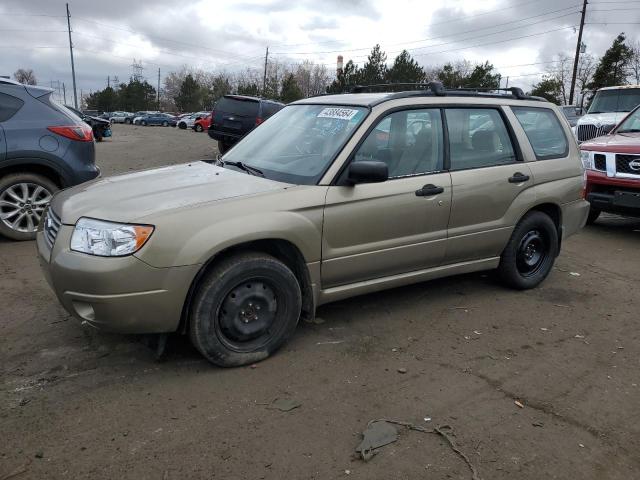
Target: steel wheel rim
{"type": "Point", "coordinates": [22, 205]}
{"type": "Point", "coordinates": [532, 253]}
{"type": "Point", "coordinates": [246, 318]}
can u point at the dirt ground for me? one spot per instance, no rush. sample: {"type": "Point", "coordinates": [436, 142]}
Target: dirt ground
{"type": "Point", "coordinates": [79, 404]}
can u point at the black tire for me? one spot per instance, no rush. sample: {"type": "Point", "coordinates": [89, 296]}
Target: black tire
{"type": "Point", "coordinates": [225, 324]}
{"type": "Point", "coordinates": [198, 127]}
{"type": "Point", "coordinates": [593, 216]}
{"type": "Point", "coordinates": [143, 123]}
{"type": "Point", "coordinates": [165, 124]}
{"type": "Point", "coordinates": [223, 147]}
{"type": "Point", "coordinates": [182, 126]}
{"type": "Point", "coordinates": [13, 180]}
{"type": "Point", "coordinates": [531, 252]}
{"type": "Point", "coordinates": [127, 120]}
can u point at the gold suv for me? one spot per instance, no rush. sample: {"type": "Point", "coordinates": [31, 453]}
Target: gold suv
{"type": "Point", "coordinates": [333, 196]}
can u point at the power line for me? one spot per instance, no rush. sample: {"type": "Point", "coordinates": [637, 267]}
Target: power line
{"type": "Point", "coordinates": [30, 15]}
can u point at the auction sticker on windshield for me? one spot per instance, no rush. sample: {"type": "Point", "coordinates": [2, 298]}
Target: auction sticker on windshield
{"type": "Point", "coordinates": [339, 113]}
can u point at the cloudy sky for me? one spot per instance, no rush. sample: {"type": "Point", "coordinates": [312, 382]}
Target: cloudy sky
{"type": "Point", "coordinates": [521, 38]}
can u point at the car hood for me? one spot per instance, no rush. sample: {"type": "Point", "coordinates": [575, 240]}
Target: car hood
{"type": "Point", "coordinates": [620, 143]}
{"type": "Point", "coordinates": [125, 198]}
{"type": "Point", "coordinates": [599, 119]}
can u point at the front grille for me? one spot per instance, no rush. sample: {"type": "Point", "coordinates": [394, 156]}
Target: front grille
{"type": "Point", "coordinates": [600, 162]}
{"type": "Point", "coordinates": [587, 132]}
{"type": "Point", "coordinates": [628, 164]}
{"type": "Point", "coordinates": [51, 227]}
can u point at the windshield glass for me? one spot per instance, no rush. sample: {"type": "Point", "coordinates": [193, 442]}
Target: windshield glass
{"type": "Point", "coordinates": [297, 144]}
{"type": "Point", "coordinates": [621, 100]}
{"type": "Point", "coordinates": [631, 124]}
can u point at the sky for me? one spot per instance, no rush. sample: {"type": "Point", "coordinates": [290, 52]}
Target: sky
{"type": "Point", "coordinates": [520, 38]}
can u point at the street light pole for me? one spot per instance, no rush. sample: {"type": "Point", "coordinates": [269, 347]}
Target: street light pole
{"type": "Point", "coordinates": [73, 68]}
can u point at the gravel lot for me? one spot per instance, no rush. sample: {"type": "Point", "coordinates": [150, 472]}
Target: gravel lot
{"type": "Point", "coordinates": [76, 403]}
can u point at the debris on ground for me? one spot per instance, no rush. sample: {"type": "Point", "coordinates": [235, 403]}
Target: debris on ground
{"type": "Point", "coordinates": [334, 342]}
{"type": "Point", "coordinates": [519, 403]}
{"type": "Point", "coordinates": [39, 454]}
{"type": "Point", "coordinates": [382, 432]}
{"type": "Point", "coordinates": [402, 370]}
{"type": "Point", "coordinates": [285, 404]}
{"type": "Point", "coordinates": [574, 274]}
{"type": "Point", "coordinates": [538, 424]}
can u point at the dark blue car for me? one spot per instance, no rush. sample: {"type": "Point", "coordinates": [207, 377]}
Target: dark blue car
{"type": "Point", "coordinates": [163, 119]}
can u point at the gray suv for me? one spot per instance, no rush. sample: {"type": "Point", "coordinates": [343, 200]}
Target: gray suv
{"type": "Point", "coordinates": [331, 197]}
{"type": "Point", "coordinates": [43, 147]}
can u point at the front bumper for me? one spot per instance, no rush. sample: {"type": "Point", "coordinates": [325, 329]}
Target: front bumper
{"type": "Point", "coordinates": [120, 294]}
{"type": "Point", "coordinates": [613, 194]}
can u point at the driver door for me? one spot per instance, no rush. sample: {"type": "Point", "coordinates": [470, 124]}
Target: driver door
{"type": "Point", "coordinates": [397, 226]}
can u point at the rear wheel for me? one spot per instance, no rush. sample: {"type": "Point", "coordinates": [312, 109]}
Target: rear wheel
{"type": "Point", "coordinates": [127, 120]}
{"type": "Point", "coordinates": [143, 123]}
{"type": "Point", "coordinates": [198, 127]}
{"type": "Point", "coordinates": [165, 124]}
{"type": "Point", "coordinates": [593, 216]}
{"type": "Point", "coordinates": [182, 126]}
{"type": "Point", "coordinates": [245, 308]}
{"type": "Point", "coordinates": [23, 198]}
{"type": "Point", "coordinates": [531, 252]}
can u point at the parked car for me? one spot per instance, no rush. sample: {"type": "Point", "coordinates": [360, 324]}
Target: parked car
{"type": "Point", "coordinates": [202, 123]}
{"type": "Point", "coordinates": [132, 116]}
{"type": "Point", "coordinates": [312, 208]}
{"type": "Point", "coordinates": [608, 107]}
{"type": "Point", "coordinates": [572, 113]}
{"type": "Point", "coordinates": [43, 147]}
{"type": "Point", "coordinates": [612, 164]}
{"type": "Point", "coordinates": [236, 115]}
{"type": "Point", "coordinates": [190, 120]}
{"type": "Point", "coordinates": [119, 117]}
{"type": "Point", "coordinates": [101, 128]}
{"type": "Point", "coordinates": [138, 119]}
{"type": "Point", "coordinates": [163, 119]}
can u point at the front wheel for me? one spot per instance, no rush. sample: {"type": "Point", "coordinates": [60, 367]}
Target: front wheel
{"type": "Point", "coordinates": [143, 123]}
{"type": "Point", "coordinates": [593, 216]}
{"type": "Point", "coordinates": [245, 308]}
{"type": "Point", "coordinates": [165, 124]}
{"type": "Point", "coordinates": [23, 198]}
{"type": "Point", "coordinates": [531, 252]}
{"type": "Point", "coordinates": [198, 128]}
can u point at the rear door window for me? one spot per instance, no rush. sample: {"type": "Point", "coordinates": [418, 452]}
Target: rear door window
{"type": "Point", "coordinates": [9, 105]}
{"type": "Point", "coordinates": [478, 137]}
{"type": "Point", "coordinates": [544, 131]}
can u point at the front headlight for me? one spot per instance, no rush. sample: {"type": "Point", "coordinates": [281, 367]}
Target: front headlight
{"type": "Point", "coordinates": [108, 239]}
{"type": "Point", "coordinates": [587, 159]}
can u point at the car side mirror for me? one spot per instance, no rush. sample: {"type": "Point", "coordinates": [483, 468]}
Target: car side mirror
{"type": "Point", "coordinates": [367, 171]}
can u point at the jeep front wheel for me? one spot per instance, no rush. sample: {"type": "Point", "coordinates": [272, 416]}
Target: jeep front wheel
{"type": "Point", "coordinates": [244, 309]}
{"type": "Point", "coordinates": [531, 252]}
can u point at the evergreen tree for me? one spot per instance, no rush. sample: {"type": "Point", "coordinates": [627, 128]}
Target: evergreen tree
{"type": "Point", "coordinates": [189, 98]}
{"type": "Point", "coordinates": [481, 77]}
{"type": "Point", "coordinates": [549, 87]}
{"type": "Point", "coordinates": [613, 67]}
{"type": "Point", "coordinates": [348, 77]}
{"type": "Point", "coordinates": [405, 70]}
{"type": "Point", "coordinates": [375, 69]}
{"type": "Point", "coordinates": [290, 91]}
{"type": "Point", "coordinates": [450, 76]}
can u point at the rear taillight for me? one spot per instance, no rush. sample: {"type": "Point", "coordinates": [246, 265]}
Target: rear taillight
{"type": "Point", "coordinates": [259, 121]}
{"type": "Point", "coordinates": [81, 133]}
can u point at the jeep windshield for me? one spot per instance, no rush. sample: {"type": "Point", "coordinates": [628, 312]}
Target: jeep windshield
{"type": "Point", "coordinates": [618, 100]}
{"type": "Point", "coordinates": [297, 144]}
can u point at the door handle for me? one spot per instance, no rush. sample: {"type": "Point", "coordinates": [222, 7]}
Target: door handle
{"type": "Point", "coordinates": [518, 177]}
{"type": "Point", "coordinates": [429, 190]}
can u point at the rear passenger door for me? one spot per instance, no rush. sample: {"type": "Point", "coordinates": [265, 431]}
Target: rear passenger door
{"type": "Point", "coordinates": [489, 179]}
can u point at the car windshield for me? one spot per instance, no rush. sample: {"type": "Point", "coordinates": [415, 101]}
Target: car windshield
{"type": "Point", "coordinates": [297, 144]}
{"type": "Point", "coordinates": [619, 100]}
{"type": "Point", "coordinates": [631, 123]}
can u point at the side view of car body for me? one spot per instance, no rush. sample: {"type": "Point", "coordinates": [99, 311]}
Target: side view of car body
{"type": "Point", "coordinates": [612, 164]}
{"type": "Point", "coordinates": [189, 120]}
{"type": "Point", "coordinates": [43, 147]}
{"type": "Point", "coordinates": [202, 123]}
{"type": "Point", "coordinates": [331, 197]}
{"type": "Point", "coordinates": [236, 115]}
{"type": "Point", "coordinates": [163, 119]}
{"type": "Point", "coordinates": [119, 117]}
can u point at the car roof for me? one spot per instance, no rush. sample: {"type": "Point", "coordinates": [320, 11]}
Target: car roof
{"type": "Point", "coordinates": [618, 87]}
{"type": "Point", "coordinates": [252, 98]}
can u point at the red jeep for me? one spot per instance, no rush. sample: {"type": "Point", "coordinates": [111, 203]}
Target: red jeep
{"type": "Point", "coordinates": [612, 169]}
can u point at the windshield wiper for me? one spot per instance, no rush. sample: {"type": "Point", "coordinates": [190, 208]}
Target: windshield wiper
{"type": "Point", "coordinates": [243, 166]}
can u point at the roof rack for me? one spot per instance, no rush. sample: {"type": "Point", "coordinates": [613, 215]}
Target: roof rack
{"type": "Point", "coordinates": [435, 87]}
{"type": "Point", "coordinates": [515, 91]}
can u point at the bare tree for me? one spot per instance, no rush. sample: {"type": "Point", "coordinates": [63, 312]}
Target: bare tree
{"type": "Point", "coordinates": [25, 76]}
{"type": "Point", "coordinates": [634, 64]}
{"type": "Point", "coordinates": [312, 79]}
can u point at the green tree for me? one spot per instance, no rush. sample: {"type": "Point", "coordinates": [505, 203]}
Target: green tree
{"type": "Point", "coordinates": [251, 89]}
{"type": "Point", "coordinates": [451, 76]}
{"type": "Point", "coordinates": [104, 100]}
{"type": "Point", "coordinates": [549, 87]}
{"type": "Point", "coordinates": [136, 95]}
{"type": "Point", "coordinates": [374, 70]}
{"type": "Point", "coordinates": [405, 70]}
{"type": "Point", "coordinates": [189, 98]}
{"type": "Point", "coordinates": [349, 76]}
{"type": "Point", "coordinates": [613, 67]}
{"type": "Point", "coordinates": [482, 77]}
{"type": "Point", "coordinates": [290, 91]}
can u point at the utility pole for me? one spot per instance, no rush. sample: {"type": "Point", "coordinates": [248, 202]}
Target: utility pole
{"type": "Point", "coordinates": [64, 93]}
{"type": "Point", "coordinates": [264, 78]}
{"type": "Point", "coordinates": [73, 67]}
{"type": "Point", "coordinates": [578, 45]}
{"type": "Point", "coordinates": [108, 81]}
{"type": "Point", "coordinates": [158, 89]}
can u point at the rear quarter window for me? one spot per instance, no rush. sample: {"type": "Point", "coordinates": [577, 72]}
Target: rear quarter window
{"type": "Point", "coordinates": [247, 108]}
{"type": "Point", "coordinates": [9, 105]}
{"type": "Point", "coordinates": [544, 131]}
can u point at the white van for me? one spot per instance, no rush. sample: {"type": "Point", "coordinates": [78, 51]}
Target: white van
{"type": "Point", "coordinates": [608, 107]}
